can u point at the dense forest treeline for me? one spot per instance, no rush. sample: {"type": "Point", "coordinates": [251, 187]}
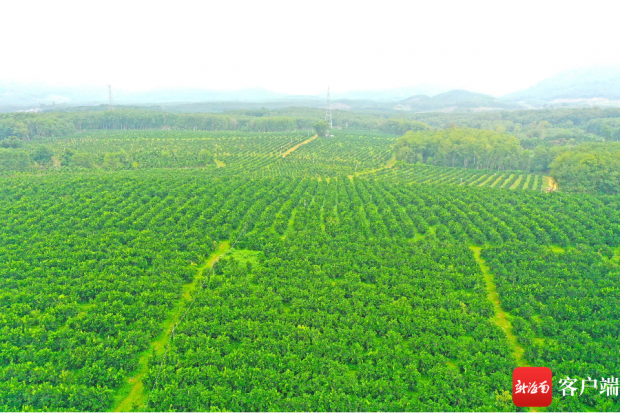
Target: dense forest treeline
{"type": "Point", "coordinates": [464, 147]}
{"type": "Point", "coordinates": [532, 127]}
{"type": "Point", "coordinates": [535, 127]}
{"type": "Point", "coordinates": [24, 126]}
{"type": "Point", "coordinates": [590, 167]}
{"type": "Point", "coordinates": [474, 148]}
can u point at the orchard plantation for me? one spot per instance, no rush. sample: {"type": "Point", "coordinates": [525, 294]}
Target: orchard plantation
{"type": "Point", "coordinates": [152, 261]}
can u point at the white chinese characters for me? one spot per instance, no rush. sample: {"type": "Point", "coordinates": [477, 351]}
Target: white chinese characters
{"type": "Point", "coordinates": [608, 386]}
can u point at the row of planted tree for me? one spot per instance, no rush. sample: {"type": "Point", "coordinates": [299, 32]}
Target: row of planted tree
{"type": "Point", "coordinates": [91, 263]}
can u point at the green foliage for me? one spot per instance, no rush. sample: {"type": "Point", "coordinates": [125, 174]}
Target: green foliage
{"type": "Point", "coordinates": [30, 125]}
{"type": "Point", "coordinates": [83, 160]}
{"type": "Point", "coordinates": [344, 154]}
{"type": "Point", "coordinates": [12, 127]}
{"type": "Point", "coordinates": [608, 128]}
{"type": "Point", "coordinates": [464, 147]}
{"type": "Point", "coordinates": [174, 149]}
{"type": "Point", "coordinates": [325, 332]}
{"type": "Point", "coordinates": [65, 159]}
{"type": "Point", "coordinates": [563, 304]}
{"type": "Point", "coordinates": [11, 142]}
{"type": "Point", "coordinates": [400, 126]}
{"type": "Point", "coordinates": [434, 175]}
{"type": "Point", "coordinates": [116, 160]}
{"type": "Point", "coordinates": [88, 269]}
{"type": "Point", "coordinates": [557, 127]}
{"type": "Point", "coordinates": [351, 287]}
{"type": "Point", "coordinates": [42, 154]}
{"type": "Point", "coordinates": [321, 128]}
{"type": "Point", "coordinates": [590, 168]}
{"type": "Point", "coordinates": [273, 124]}
{"type": "Point", "coordinates": [541, 158]}
{"type": "Point", "coordinates": [14, 160]}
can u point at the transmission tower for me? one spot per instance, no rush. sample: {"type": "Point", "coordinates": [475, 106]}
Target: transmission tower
{"type": "Point", "coordinates": [328, 111]}
{"type": "Point", "coordinates": [110, 96]}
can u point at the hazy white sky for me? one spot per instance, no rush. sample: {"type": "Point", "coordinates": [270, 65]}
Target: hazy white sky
{"type": "Point", "coordinates": [491, 47]}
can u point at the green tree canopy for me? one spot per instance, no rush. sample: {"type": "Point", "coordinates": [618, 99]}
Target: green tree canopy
{"type": "Point", "coordinates": [321, 128]}
{"type": "Point", "coordinates": [84, 160]}
{"type": "Point", "coordinates": [14, 160]}
{"type": "Point", "coordinates": [466, 147]}
{"type": "Point", "coordinates": [42, 154]}
{"type": "Point", "coordinates": [589, 168]}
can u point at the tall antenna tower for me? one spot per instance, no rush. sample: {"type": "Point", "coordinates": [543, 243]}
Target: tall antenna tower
{"type": "Point", "coordinates": [110, 96]}
{"type": "Point", "coordinates": [328, 111]}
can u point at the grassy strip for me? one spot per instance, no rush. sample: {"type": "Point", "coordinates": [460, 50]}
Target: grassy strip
{"type": "Point", "coordinates": [479, 180]}
{"type": "Point", "coordinates": [131, 396]}
{"type": "Point", "coordinates": [553, 186]}
{"type": "Point", "coordinates": [486, 181]}
{"type": "Point", "coordinates": [499, 179]}
{"type": "Point", "coordinates": [501, 318]}
{"type": "Point", "coordinates": [517, 182]}
{"type": "Point", "coordinates": [508, 181]}
{"type": "Point", "coordinates": [298, 145]}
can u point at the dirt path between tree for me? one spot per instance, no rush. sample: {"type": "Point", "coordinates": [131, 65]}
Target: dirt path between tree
{"type": "Point", "coordinates": [131, 396]}
{"type": "Point", "coordinates": [501, 318]}
{"type": "Point", "coordinates": [390, 164]}
{"type": "Point", "coordinates": [288, 152]}
{"type": "Point", "coordinates": [552, 186]}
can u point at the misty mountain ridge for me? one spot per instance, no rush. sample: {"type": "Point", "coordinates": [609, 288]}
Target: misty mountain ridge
{"type": "Point", "coordinates": [40, 94]}
{"type": "Point", "coordinates": [598, 86]}
{"type": "Point", "coordinates": [586, 86]}
{"type": "Point", "coordinates": [389, 95]}
{"type": "Point", "coordinates": [454, 100]}
{"type": "Point", "coordinates": [42, 97]}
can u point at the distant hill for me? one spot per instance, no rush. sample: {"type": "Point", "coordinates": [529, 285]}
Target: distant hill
{"type": "Point", "coordinates": [594, 86]}
{"type": "Point", "coordinates": [35, 94]}
{"type": "Point", "coordinates": [588, 86]}
{"type": "Point", "coordinates": [455, 101]}
{"type": "Point", "coordinates": [22, 96]}
{"type": "Point", "coordinates": [187, 95]}
{"type": "Point", "coordinates": [389, 95]}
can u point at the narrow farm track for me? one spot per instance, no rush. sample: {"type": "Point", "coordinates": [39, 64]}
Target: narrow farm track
{"type": "Point", "coordinates": [294, 148]}
{"type": "Point", "coordinates": [132, 396]}
{"type": "Point", "coordinates": [499, 179]}
{"type": "Point", "coordinates": [487, 181]}
{"type": "Point", "coordinates": [389, 165]}
{"type": "Point", "coordinates": [517, 182]}
{"type": "Point", "coordinates": [501, 317]}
